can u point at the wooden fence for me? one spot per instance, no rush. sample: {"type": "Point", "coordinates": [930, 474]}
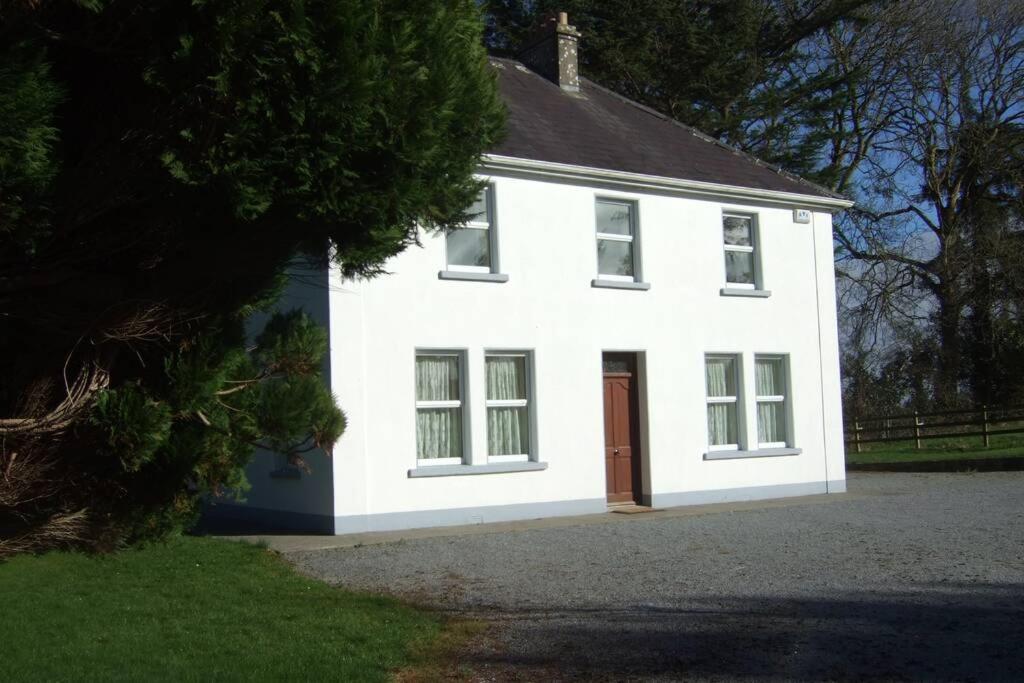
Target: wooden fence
{"type": "Point", "coordinates": [983, 422]}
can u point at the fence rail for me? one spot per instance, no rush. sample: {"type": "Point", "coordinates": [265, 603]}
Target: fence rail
{"type": "Point", "coordinates": [940, 424]}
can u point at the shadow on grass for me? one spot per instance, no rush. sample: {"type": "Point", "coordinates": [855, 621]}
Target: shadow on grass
{"type": "Point", "coordinates": [944, 632]}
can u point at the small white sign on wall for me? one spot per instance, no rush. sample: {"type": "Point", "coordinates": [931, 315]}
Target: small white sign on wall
{"type": "Point", "coordinates": [801, 215]}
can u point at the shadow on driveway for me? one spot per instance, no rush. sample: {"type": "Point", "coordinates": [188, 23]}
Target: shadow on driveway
{"type": "Point", "coordinates": [942, 632]}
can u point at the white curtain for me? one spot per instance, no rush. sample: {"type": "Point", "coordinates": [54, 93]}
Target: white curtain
{"type": "Point", "coordinates": [507, 431]}
{"type": "Point", "coordinates": [506, 378]}
{"type": "Point", "coordinates": [771, 415]}
{"type": "Point", "coordinates": [719, 373]}
{"type": "Point", "coordinates": [437, 378]}
{"type": "Point", "coordinates": [721, 423]}
{"type": "Point", "coordinates": [439, 433]}
{"type": "Point", "coordinates": [438, 430]}
{"type": "Point", "coordinates": [721, 416]}
{"type": "Point", "coordinates": [508, 428]}
{"type": "Point", "coordinates": [771, 424]}
{"type": "Point", "coordinates": [768, 376]}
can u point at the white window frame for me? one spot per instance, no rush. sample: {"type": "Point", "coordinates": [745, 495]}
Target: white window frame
{"type": "Point", "coordinates": [492, 242]}
{"type": "Point", "coordinates": [460, 357]}
{"type": "Point", "coordinates": [782, 398]}
{"type": "Point", "coordinates": [753, 250]}
{"type": "Point", "coordinates": [717, 400]}
{"type": "Point", "coordinates": [517, 403]}
{"type": "Point", "coordinates": [631, 238]}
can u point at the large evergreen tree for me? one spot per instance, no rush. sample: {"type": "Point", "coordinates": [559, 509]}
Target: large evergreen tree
{"type": "Point", "coordinates": [161, 164]}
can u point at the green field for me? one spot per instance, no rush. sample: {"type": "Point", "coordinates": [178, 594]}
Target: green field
{"type": "Point", "coordinates": [197, 609]}
{"type": "Point", "coordinates": [949, 448]}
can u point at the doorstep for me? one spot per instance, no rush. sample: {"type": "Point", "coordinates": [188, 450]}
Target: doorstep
{"type": "Point", "coordinates": [632, 508]}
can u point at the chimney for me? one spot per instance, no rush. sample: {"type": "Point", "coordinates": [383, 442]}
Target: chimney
{"type": "Point", "coordinates": [552, 51]}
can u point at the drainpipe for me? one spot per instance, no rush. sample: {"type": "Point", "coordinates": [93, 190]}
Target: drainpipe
{"type": "Point", "coordinates": [821, 364]}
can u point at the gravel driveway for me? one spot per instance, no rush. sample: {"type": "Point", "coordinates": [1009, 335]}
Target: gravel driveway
{"type": "Point", "coordinates": [921, 576]}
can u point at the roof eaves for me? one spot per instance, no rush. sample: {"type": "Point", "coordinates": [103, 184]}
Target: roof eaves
{"type": "Point", "coordinates": [638, 181]}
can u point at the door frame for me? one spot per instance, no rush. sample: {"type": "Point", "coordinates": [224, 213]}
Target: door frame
{"type": "Point", "coordinates": [638, 371]}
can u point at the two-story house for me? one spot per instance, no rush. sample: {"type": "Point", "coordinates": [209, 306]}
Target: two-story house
{"type": "Point", "coordinates": [638, 314]}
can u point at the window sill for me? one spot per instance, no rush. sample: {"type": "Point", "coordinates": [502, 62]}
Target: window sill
{"type": "Point", "coordinates": [472, 277]}
{"type": "Point", "coordinates": [489, 468]}
{"type": "Point", "coordinates": [739, 291]}
{"type": "Point", "coordinates": [758, 453]}
{"type": "Point", "coordinates": [619, 284]}
{"type": "Point", "coordinates": [286, 472]}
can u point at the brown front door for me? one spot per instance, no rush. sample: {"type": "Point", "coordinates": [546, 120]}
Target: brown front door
{"type": "Point", "coordinates": [621, 445]}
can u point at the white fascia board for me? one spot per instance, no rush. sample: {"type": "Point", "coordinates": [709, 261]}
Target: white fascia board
{"type": "Point", "coordinates": [640, 181]}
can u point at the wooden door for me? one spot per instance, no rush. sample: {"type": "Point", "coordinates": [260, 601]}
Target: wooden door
{"type": "Point", "coordinates": [621, 452]}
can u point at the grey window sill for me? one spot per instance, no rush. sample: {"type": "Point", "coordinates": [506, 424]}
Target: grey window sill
{"type": "Point", "coordinates": [619, 284]}
{"type": "Point", "coordinates": [472, 277]}
{"type": "Point", "coordinates": [287, 472]}
{"type": "Point", "coordinates": [759, 453]}
{"type": "Point", "coordinates": [489, 468]}
{"type": "Point", "coordinates": [739, 291]}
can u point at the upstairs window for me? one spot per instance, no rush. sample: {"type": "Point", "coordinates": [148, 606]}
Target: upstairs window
{"type": "Point", "coordinates": [721, 374]}
{"type": "Point", "coordinates": [770, 379]}
{"type": "Point", "coordinates": [471, 248]}
{"type": "Point", "coordinates": [439, 423]}
{"type": "Point", "coordinates": [739, 235]}
{"type": "Point", "coordinates": [616, 235]}
{"type": "Point", "coordinates": [508, 407]}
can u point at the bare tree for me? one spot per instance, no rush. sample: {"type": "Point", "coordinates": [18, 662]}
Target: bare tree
{"type": "Point", "coordinates": [929, 140]}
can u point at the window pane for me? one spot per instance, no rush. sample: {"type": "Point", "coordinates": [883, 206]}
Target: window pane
{"type": "Point", "coordinates": [769, 377]}
{"type": "Point", "coordinates": [614, 217]}
{"type": "Point", "coordinates": [437, 378]}
{"type": "Point", "coordinates": [469, 247]}
{"type": "Point", "coordinates": [616, 366]}
{"type": "Point", "coordinates": [721, 424]}
{"type": "Point", "coordinates": [739, 267]}
{"type": "Point", "coordinates": [771, 422]}
{"type": "Point", "coordinates": [508, 431]}
{"type": "Point", "coordinates": [614, 257]}
{"type": "Point", "coordinates": [506, 378]}
{"type": "Point", "coordinates": [478, 209]}
{"type": "Point", "coordinates": [721, 376]}
{"type": "Point", "coordinates": [737, 231]}
{"type": "Point", "coordinates": [438, 433]}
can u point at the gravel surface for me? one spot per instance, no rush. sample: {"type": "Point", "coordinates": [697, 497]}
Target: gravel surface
{"type": "Point", "coordinates": [919, 578]}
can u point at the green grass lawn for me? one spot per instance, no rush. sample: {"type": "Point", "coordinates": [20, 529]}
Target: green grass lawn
{"type": "Point", "coordinates": [952, 448]}
{"type": "Point", "coordinates": [196, 609]}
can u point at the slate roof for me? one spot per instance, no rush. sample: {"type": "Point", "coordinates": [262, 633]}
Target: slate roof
{"type": "Point", "coordinates": [601, 129]}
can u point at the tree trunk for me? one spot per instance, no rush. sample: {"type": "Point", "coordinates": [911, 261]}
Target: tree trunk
{"type": "Point", "coordinates": [947, 376]}
{"type": "Point", "coordinates": [981, 347]}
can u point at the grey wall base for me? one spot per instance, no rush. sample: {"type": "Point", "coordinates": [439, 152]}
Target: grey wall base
{"type": "Point", "coordinates": [392, 521]}
{"type": "Point", "coordinates": [230, 518]}
{"type": "Point", "coordinates": [736, 495]}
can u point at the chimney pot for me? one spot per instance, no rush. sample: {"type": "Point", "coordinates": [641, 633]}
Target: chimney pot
{"type": "Point", "coordinates": [563, 18]}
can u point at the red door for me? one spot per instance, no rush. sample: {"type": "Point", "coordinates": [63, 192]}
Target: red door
{"type": "Point", "coordinates": [621, 454]}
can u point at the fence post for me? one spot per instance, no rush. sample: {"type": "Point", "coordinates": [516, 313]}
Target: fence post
{"type": "Point", "coordinates": [856, 435]}
{"type": "Point", "coordinates": [984, 425]}
{"type": "Point", "coordinates": [917, 432]}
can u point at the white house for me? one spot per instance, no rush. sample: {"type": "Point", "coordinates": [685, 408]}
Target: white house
{"type": "Point", "coordinates": [638, 315]}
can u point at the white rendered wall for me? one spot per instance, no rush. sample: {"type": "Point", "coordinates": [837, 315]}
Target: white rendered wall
{"type": "Point", "coordinates": [548, 306]}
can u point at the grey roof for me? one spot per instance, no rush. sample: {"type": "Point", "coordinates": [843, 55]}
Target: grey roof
{"type": "Point", "coordinates": [601, 129]}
